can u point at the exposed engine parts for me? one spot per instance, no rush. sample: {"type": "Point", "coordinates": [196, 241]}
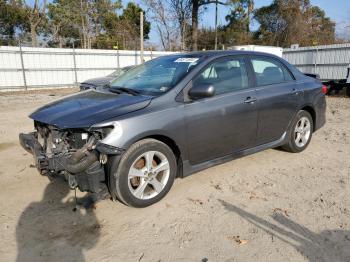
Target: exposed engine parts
{"type": "Point", "coordinates": [76, 154]}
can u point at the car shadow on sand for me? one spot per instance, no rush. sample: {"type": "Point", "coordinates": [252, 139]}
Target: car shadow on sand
{"type": "Point", "coordinates": [49, 230]}
{"type": "Point", "coordinates": [329, 245]}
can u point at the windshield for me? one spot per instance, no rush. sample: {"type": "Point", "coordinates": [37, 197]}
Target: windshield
{"type": "Point", "coordinates": [157, 76]}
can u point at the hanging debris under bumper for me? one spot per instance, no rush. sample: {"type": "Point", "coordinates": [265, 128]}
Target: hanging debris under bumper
{"type": "Point", "coordinates": [30, 143]}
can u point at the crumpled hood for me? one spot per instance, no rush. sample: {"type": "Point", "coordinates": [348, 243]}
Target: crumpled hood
{"type": "Point", "coordinates": [85, 109]}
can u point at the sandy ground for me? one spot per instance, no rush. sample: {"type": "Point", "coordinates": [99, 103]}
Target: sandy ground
{"type": "Point", "coordinates": [271, 206]}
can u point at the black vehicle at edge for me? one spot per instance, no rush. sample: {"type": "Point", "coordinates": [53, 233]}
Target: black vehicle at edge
{"type": "Point", "coordinates": [101, 81]}
{"type": "Point", "coordinates": [173, 116]}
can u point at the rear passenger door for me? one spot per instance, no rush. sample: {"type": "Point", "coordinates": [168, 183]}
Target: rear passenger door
{"type": "Point", "coordinates": [278, 97]}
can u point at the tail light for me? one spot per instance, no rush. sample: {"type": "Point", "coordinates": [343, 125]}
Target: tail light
{"type": "Point", "coordinates": [324, 89]}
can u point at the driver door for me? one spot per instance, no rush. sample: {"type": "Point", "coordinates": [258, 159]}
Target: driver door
{"type": "Point", "coordinates": [227, 122]}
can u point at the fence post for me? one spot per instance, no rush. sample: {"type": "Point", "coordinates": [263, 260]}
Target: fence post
{"type": "Point", "coordinates": [118, 62]}
{"type": "Point", "coordinates": [135, 56]}
{"type": "Point", "coordinates": [23, 70]}
{"type": "Point", "coordinates": [316, 56]}
{"type": "Point", "coordinates": [75, 67]}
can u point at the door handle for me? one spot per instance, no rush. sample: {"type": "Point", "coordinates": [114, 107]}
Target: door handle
{"type": "Point", "coordinates": [250, 100]}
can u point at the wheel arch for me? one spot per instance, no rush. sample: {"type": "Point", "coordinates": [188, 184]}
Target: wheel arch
{"type": "Point", "coordinates": [170, 142]}
{"type": "Point", "coordinates": [312, 112]}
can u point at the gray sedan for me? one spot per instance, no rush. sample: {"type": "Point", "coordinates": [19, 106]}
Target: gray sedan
{"type": "Point", "coordinates": [173, 116]}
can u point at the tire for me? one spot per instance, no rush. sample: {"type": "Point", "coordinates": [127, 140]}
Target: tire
{"type": "Point", "coordinates": [135, 180]}
{"type": "Point", "coordinates": [347, 91]}
{"type": "Point", "coordinates": [299, 143]}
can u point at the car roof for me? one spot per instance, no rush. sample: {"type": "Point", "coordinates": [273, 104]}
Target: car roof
{"type": "Point", "coordinates": [220, 53]}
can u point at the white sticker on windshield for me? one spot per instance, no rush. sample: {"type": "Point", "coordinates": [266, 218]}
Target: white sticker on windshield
{"type": "Point", "coordinates": [186, 60]}
{"type": "Point", "coordinates": [163, 88]}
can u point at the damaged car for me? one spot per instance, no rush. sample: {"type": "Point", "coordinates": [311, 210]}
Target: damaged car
{"type": "Point", "coordinates": [171, 117]}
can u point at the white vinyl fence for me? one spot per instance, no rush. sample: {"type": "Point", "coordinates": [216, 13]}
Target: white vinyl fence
{"type": "Point", "coordinates": [329, 61]}
{"type": "Point", "coordinates": [27, 67]}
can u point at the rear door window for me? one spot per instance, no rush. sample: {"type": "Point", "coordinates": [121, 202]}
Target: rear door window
{"type": "Point", "coordinates": [269, 71]}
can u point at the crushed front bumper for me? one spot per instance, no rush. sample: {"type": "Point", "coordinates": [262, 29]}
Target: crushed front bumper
{"type": "Point", "coordinates": [82, 169]}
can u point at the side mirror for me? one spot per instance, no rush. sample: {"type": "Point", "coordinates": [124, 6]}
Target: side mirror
{"type": "Point", "coordinates": [201, 91]}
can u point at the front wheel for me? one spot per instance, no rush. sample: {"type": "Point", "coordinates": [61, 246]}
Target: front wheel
{"type": "Point", "coordinates": [300, 133]}
{"type": "Point", "coordinates": [144, 174]}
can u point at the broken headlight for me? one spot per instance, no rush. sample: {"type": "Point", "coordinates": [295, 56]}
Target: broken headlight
{"type": "Point", "coordinates": [110, 131]}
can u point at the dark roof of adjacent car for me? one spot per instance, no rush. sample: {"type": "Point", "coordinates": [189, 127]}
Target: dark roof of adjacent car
{"type": "Point", "coordinates": [127, 67]}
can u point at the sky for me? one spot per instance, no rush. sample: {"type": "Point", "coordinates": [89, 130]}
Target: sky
{"type": "Point", "coordinates": [337, 10]}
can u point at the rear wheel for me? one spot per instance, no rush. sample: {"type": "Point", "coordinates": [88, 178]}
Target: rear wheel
{"type": "Point", "coordinates": [300, 133]}
{"type": "Point", "coordinates": [348, 91]}
{"type": "Point", "coordinates": [144, 174]}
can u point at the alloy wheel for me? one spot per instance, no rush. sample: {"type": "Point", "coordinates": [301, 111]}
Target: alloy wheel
{"type": "Point", "coordinates": [148, 175]}
{"type": "Point", "coordinates": [302, 132]}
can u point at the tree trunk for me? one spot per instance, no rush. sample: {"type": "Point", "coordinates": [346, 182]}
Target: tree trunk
{"type": "Point", "coordinates": [83, 32]}
{"type": "Point", "coordinates": [195, 8]}
{"type": "Point", "coordinates": [161, 38]}
{"type": "Point", "coordinates": [183, 35]}
{"type": "Point", "coordinates": [33, 35]}
{"type": "Point", "coordinates": [83, 24]}
{"type": "Point", "coordinates": [97, 30]}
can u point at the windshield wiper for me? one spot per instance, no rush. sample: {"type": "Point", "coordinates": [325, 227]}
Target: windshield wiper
{"type": "Point", "coordinates": [120, 90]}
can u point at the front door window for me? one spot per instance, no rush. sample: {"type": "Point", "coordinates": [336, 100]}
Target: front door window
{"type": "Point", "coordinates": [226, 75]}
